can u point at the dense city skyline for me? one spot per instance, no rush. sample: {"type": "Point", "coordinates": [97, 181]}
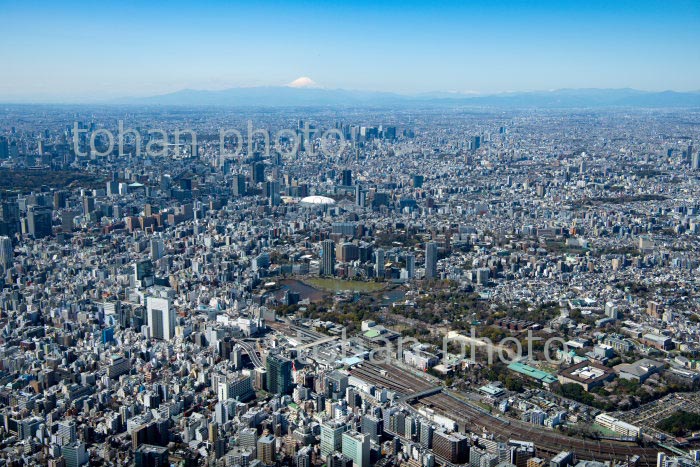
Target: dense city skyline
{"type": "Point", "coordinates": [443, 286]}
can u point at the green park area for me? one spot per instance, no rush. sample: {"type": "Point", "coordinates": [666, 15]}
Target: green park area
{"type": "Point", "coordinates": [680, 423]}
{"type": "Point", "coordinates": [339, 285]}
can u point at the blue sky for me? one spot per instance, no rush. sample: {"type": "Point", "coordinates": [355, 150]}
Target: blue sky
{"type": "Point", "coordinates": [80, 51]}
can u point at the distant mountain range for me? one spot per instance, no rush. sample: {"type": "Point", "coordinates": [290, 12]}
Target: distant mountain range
{"type": "Point", "coordinates": [284, 96]}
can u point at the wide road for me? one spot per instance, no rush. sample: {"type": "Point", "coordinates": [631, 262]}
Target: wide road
{"type": "Point", "coordinates": [252, 353]}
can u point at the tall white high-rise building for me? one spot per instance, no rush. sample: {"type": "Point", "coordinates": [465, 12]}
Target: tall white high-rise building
{"type": "Point", "coordinates": [431, 257]}
{"type": "Point", "coordinates": [74, 454]}
{"type": "Point", "coordinates": [235, 387]}
{"type": "Point", "coordinates": [66, 433]}
{"type": "Point", "coordinates": [161, 315]}
{"type": "Point", "coordinates": [332, 437]}
{"type": "Point", "coordinates": [379, 262]}
{"type": "Point", "coordinates": [328, 258]}
{"type": "Point", "coordinates": [157, 248]}
{"type": "Point", "coordinates": [6, 253]}
{"type": "Point", "coordinates": [411, 266]}
{"type": "Point", "coordinates": [356, 447]}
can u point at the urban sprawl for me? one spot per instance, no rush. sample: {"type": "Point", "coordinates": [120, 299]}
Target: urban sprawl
{"type": "Point", "coordinates": [349, 287]}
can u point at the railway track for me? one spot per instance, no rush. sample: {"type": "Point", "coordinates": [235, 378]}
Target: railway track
{"type": "Point", "coordinates": [297, 332]}
{"type": "Point", "coordinates": [391, 378]}
{"type": "Point", "coordinates": [475, 419]}
{"type": "Point", "coordinates": [471, 418]}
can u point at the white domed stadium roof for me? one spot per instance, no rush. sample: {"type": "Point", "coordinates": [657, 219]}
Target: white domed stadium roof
{"type": "Point", "coordinates": [317, 200]}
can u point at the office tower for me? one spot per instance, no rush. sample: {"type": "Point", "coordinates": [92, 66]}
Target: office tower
{"type": "Point", "coordinates": [88, 205]}
{"type": "Point", "coordinates": [482, 275]}
{"type": "Point", "coordinates": [372, 427]}
{"type": "Point", "coordinates": [381, 199]}
{"type": "Point", "coordinates": [148, 455]}
{"type": "Point", "coordinates": [4, 148]}
{"type": "Point", "coordinates": [352, 398]}
{"type": "Point", "coordinates": [213, 434]}
{"type": "Point", "coordinates": [521, 452]}
{"type": "Point", "coordinates": [266, 449]}
{"type": "Point", "coordinates": [347, 177]}
{"type": "Point", "coordinates": [248, 438]}
{"type": "Point", "coordinates": [418, 181]}
{"type": "Point", "coordinates": [336, 384]}
{"type": "Point", "coordinates": [453, 447]}
{"type": "Point", "coordinates": [119, 366]}
{"type": "Point", "coordinates": [239, 387]}
{"type": "Point", "coordinates": [379, 262]}
{"type": "Point", "coordinates": [6, 253]}
{"type": "Point", "coordinates": [426, 434]}
{"type": "Point", "coordinates": [39, 220]}
{"type": "Point", "coordinates": [273, 193]}
{"type": "Point", "coordinates": [66, 433]}
{"type": "Point", "coordinates": [279, 374]}
{"type": "Point", "coordinates": [257, 170]}
{"type": "Point", "coordinates": [161, 316]}
{"type": "Point", "coordinates": [221, 414]}
{"type": "Point", "coordinates": [327, 258]}
{"type": "Point", "coordinates": [236, 357]}
{"type": "Point", "coordinates": [563, 459]}
{"type": "Point", "coordinates": [74, 454]}
{"type": "Point", "coordinates": [409, 430]}
{"type": "Point", "coordinates": [360, 196]}
{"type": "Point", "coordinates": [347, 229]}
{"type": "Point", "coordinates": [143, 273]}
{"type": "Point", "coordinates": [303, 457]}
{"type": "Point", "coordinates": [59, 199]}
{"type": "Point", "coordinates": [9, 218]}
{"type": "Point", "coordinates": [157, 248]}
{"type": "Point", "coordinates": [411, 266]}
{"type": "Point", "coordinates": [431, 257]}
{"type": "Point", "coordinates": [475, 143]}
{"type": "Point", "coordinates": [397, 423]}
{"type": "Point", "coordinates": [611, 310]}
{"type": "Point", "coordinates": [112, 188]}
{"type": "Point", "coordinates": [185, 183]}
{"type": "Point", "coordinates": [479, 457]}
{"type": "Point", "coordinates": [332, 437]}
{"type": "Point", "coordinates": [260, 380]}
{"type": "Point", "coordinates": [239, 185]}
{"type": "Point", "coordinates": [695, 161]}
{"type": "Point", "coordinates": [346, 252]}
{"type": "Point", "coordinates": [356, 447]}
{"type": "Point", "coordinates": [67, 218]}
